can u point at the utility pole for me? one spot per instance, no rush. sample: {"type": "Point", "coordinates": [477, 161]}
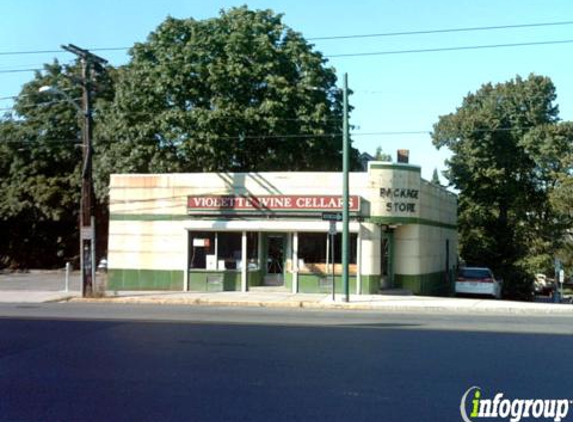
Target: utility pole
{"type": "Point", "coordinates": [89, 61]}
{"type": "Point", "coordinates": [345, 188]}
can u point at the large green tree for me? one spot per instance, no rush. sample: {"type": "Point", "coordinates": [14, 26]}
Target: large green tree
{"type": "Point", "coordinates": [40, 160]}
{"type": "Point", "coordinates": [505, 165]}
{"type": "Point", "coordinates": [551, 149]}
{"type": "Point", "coordinates": [240, 92]}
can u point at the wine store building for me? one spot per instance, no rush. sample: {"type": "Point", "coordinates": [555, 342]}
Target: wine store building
{"type": "Point", "coordinates": [235, 231]}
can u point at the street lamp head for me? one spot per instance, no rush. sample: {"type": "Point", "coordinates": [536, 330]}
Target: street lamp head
{"type": "Point", "coordinates": [47, 89]}
{"type": "Point", "coordinates": [52, 90]}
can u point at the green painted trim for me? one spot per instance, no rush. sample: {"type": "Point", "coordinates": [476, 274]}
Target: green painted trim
{"type": "Point", "coordinates": [288, 278]}
{"type": "Point", "coordinates": [313, 212]}
{"type": "Point", "coordinates": [370, 284]}
{"type": "Point", "coordinates": [193, 216]}
{"type": "Point", "coordinates": [430, 284]}
{"type": "Point", "coordinates": [410, 220]}
{"type": "Point", "coordinates": [231, 280]}
{"type": "Point", "coordinates": [255, 278]}
{"type": "Point", "coordinates": [405, 167]}
{"type": "Point", "coordinates": [310, 283]}
{"type": "Point", "coordinates": [132, 279]}
{"type": "Point", "coordinates": [148, 217]}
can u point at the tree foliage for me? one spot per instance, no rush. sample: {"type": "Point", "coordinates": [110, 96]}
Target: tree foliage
{"type": "Point", "coordinates": [507, 164]}
{"type": "Point", "coordinates": [40, 160]}
{"type": "Point", "coordinates": [240, 92]}
{"type": "Point", "coordinates": [380, 155]}
{"type": "Point", "coordinates": [435, 178]}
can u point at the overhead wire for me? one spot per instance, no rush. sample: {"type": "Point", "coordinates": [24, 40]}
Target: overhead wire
{"type": "Point", "coordinates": [339, 37]}
{"type": "Point", "coordinates": [440, 31]}
{"type": "Point", "coordinates": [342, 55]}
{"type": "Point", "coordinates": [359, 36]}
{"type": "Point", "coordinates": [293, 136]}
{"type": "Point", "coordinates": [396, 52]}
{"type": "Point", "coordinates": [442, 49]}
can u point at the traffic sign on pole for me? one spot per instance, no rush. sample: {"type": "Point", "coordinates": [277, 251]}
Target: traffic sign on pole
{"type": "Point", "coordinates": [332, 216]}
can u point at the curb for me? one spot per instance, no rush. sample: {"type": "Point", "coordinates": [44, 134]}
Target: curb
{"type": "Point", "coordinates": [386, 307]}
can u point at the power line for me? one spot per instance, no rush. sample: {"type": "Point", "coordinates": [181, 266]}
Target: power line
{"type": "Point", "coordinates": [395, 52]}
{"type": "Point", "coordinates": [338, 37]}
{"type": "Point", "coordinates": [60, 51]}
{"type": "Point", "coordinates": [19, 70]}
{"type": "Point", "coordinates": [441, 31]}
{"type": "Point", "coordinates": [441, 49]}
{"type": "Point", "coordinates": [283, 136]}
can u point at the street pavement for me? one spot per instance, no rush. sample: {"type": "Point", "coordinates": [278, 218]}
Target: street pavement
{"type": "Point", "coordinates": [194, 363]}
{"type": "Point", "coordinates": [49, 286]}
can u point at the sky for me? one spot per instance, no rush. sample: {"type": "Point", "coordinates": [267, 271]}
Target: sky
{"type": "Point", "coordinates": [396, 97]}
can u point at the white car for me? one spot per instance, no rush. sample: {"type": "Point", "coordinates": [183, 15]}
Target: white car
{"type": "Point", "coordinates": [477, 281]}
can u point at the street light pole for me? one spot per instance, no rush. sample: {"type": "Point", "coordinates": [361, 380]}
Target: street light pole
{"type": "Point", "coordinates": [345, 188]}
{"type": "Point", "coordinates": [87, 218]}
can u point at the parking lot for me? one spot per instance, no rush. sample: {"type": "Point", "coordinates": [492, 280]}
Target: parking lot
{"type": "Point", "coordinates": [39, 280]}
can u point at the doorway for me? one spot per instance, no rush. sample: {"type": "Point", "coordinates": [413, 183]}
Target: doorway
{"type": "Point", "coordinates": [275, 251]}
{"type": "Point", "coordinates": [387, 259]}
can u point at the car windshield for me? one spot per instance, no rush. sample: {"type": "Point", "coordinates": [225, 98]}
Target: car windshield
{"type": "Point", "coordinates": [474, 273]}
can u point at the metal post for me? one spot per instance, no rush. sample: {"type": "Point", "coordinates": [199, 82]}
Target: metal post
{"type": "Point", "coordinates": [295, 262]}
{"type": "Point", "coordinates": [86, 228]}
{"type": "Point", "coordinates": [87, 219]}
{"type": "Point", "coordinates": [67, 279]}
{"type": "Point", "coordinates": [345, 196]}
{"type": "Point", "coordinates": [244, 263]}
{"type": "Point", "coordinates": [333, 264]}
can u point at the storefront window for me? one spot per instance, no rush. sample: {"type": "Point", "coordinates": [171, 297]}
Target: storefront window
{"type": "Point", "coordinates": [352, 246]}
{"type": "Point", "coordinates": [229, 250]}
{"type": "Point", "coordinates": [201, 250]}
{"type": "Point", "coordinates": [312, 252]}
{"type": "Point", "coordinates": [312, 248]}
{"type": "Point", "coordinates": [222, 250]}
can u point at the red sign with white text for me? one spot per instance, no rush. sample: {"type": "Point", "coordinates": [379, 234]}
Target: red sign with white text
{"type": "Point", "coordinates": [223, 203]}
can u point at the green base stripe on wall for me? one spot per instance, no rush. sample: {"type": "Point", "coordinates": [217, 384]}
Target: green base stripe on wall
{"type": "Point", "coordinates": [370, 284]}
{"type": "Point", "coordinates": [228, 281]}
{"type": "Point", "coordinates": [431, 284]}
{"type": "Point", "coordinates": [129, 279]}
{"type": "Point", "coordinates": [204, 281]}
{"type": "Point", "coordinates": [319, 283]}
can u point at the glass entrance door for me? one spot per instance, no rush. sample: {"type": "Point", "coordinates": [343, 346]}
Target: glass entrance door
{"type": "Point", "coordinates": [386, 260]}
{"type": "Point", "coordinates": [275, 260]}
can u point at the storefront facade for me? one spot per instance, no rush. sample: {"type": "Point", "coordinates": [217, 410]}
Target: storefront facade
{"type": "Point", "coordinates": [235, 231]}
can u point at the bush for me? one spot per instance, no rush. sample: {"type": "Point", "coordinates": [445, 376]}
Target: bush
{"type": "Point", "coordinates": [517, 284]}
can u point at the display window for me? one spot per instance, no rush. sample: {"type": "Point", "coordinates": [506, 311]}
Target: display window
{"type": "Point", "coordinates": [221, 250]}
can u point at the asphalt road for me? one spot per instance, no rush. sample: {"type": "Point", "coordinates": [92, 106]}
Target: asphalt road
{"type": "Point", "coordinates": [80, 362]}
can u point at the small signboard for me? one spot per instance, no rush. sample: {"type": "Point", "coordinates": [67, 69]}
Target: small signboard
{"type": "Point", "coordinates": [87, 232]}
{"type": "Point", "coordinates": [201, 243]}
{"type": "Point", "coordinates": [332, 228]}
{"type": "Point", "coordinates": [332, 216]}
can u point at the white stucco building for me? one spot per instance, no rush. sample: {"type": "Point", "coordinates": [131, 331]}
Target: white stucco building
{"type": "Point", "coordinates": [232, 231]}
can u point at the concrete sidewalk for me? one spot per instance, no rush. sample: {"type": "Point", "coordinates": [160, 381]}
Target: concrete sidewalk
{"type": "Point", "coordinates": [36, 296]}
{"type": "Point", "coordinates": [383, 302]}
{"type": "Point", "coordinates": [49, 286]}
